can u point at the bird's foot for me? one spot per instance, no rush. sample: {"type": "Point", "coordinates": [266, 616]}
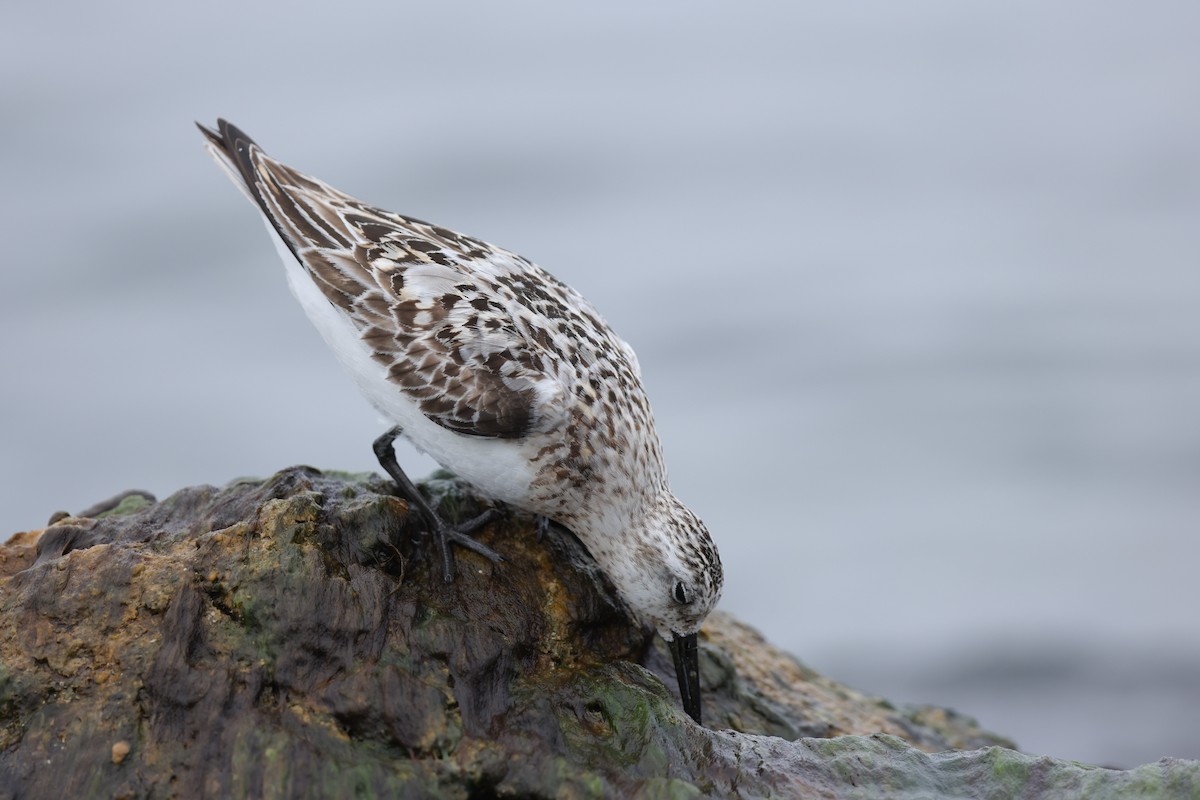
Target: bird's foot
{"type": "Point", "coordinates": [446, 535]}
{"type": "Point", "coordinates": [443, 534]}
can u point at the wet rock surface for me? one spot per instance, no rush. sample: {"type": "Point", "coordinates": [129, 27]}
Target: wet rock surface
{"type": "Point", "coordinates": [291, 637]}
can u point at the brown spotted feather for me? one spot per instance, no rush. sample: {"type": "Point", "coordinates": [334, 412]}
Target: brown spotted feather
{"type": "Point", "coordinates": [420, 296]}
{"type": "Point", "coordinates": [473, 333]}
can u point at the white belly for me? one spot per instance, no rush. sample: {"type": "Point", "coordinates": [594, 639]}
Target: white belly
{"type": "Point", "coordinates": [499, 467]}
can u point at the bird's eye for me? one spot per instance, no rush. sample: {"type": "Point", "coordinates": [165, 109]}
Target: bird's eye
{"type": "Point", "coordinates": [682, 595]}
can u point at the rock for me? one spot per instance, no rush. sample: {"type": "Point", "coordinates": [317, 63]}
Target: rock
{"type": "Point", "coordinates": [287, 638]}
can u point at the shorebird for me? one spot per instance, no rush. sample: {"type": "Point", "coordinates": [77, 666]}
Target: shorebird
{"type": "Point", "coordinates": [505, 375]}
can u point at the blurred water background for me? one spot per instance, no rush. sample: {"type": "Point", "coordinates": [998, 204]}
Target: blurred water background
{"type": "Point", "coordinates": [915, 288]}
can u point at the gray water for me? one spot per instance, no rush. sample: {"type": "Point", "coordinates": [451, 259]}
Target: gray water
{"type": "Point", "coordinates": [914, 286]}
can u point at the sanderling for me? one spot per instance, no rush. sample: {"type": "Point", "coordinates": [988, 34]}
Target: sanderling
{"type": "Point", "coordinates": [501, 372]}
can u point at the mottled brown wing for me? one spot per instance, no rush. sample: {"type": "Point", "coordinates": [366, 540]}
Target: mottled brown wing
{"type": "Point", "coordinates": [453, 320]}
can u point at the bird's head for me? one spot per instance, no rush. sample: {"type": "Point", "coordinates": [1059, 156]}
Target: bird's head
{"type": "Point", "coordinates": [669, 573]}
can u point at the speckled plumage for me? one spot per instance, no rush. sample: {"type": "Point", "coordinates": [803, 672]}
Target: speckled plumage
{"type": "Point", "coordinates": [500, 371]}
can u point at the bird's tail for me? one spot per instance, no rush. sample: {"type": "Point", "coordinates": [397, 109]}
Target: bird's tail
{"type": "Point", "coordinates": [233, 151]}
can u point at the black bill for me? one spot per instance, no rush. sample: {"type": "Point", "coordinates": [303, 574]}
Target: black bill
{"type": "Point", "coordinates": [687, 670]}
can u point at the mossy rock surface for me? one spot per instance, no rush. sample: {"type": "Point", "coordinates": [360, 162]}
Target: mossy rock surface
{"type": "Point", "coordinates": [291, 637]}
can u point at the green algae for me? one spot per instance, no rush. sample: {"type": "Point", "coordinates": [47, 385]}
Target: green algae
{"type": "Point", "coordinates": [128, 505]}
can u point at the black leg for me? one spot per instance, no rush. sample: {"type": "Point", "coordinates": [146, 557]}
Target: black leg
{"type": "Point", "coordinates": [545, 525]}
{"type": "Point", "coordinates": [443, 534]}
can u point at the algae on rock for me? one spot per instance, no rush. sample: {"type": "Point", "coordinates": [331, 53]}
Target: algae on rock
{"type": "Point", "coordinates": [287, 638]}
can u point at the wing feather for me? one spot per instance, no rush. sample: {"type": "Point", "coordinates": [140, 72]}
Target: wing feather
{"type": "Point", "coordinates": [458, 325]}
